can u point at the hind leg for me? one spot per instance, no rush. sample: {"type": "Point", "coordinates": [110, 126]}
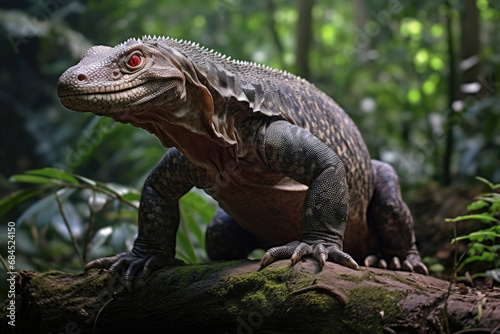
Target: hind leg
{"type": "Point", "coordinates": [226, 240]}
{"type": "Point", "coordinates": [392, 223]}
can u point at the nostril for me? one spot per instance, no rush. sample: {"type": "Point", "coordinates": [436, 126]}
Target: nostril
{"type": "Point", "coordinates": [116, 74]}
{"type": "Point", "coordinates": [81, 77]}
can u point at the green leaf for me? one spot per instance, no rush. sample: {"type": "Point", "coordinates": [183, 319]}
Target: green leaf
{"type": "Point", "coordinates": [491, 185]}
{"type": "Point", "coordinates": [53, 173]}
{"type": "Point", "coordinates": [485, 257]}
{"type": "Point", "coordinates": [31, 179]}
{"type": "Point", "coordinates": [195, 202]}
{"type": "Point", "coordinates": [45, 208]}
{"type": "Point", "coordinates": [16, 198]}
{"type": "Point", "coordinates": [114, 189]}
{"type": "Point", "coordinates": [132, 196]}
{"type": "Point", "coordinates": [479, 236]}
{"type": "Point", "coordinates": [47, 205]}
{"type": "Point", "coordinates": [482, 217]}
{"type": "Point", "coordinates": [86, 180]}
{"type": "Point", "coordinates": [185, 247]}
{"type": "Point", "coordinates": [192, 226]}
{"type": "Point", "coordinates": [477, 205]}
{"type": "Point", "coordinates": [436, 268]}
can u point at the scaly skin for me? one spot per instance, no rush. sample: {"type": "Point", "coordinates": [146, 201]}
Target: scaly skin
{"type": "Point", "coordinates": [286, 164]}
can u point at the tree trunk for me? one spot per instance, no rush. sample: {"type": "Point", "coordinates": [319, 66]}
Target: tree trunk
{"type": "Point", "coordinates": [240, 297]}
{"type": "Point", "coordinates": [470, 44]}
{"type": "Point", "coordinates": [304, 36]}
{"type": "Point", "coordinates": [452, 97]}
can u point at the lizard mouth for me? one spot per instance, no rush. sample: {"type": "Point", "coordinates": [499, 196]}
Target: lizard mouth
{"type": "Point", "coordinates": [111, 97]}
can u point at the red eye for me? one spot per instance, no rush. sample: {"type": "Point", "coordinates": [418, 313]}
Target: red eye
{"type": "Point", "coordinates": [134, 61]}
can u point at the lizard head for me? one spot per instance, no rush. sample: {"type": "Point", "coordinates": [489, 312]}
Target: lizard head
{"type": "Point", "coordinates": [120, 79]}
{"type": "Point", "coordinates": [152, 84]}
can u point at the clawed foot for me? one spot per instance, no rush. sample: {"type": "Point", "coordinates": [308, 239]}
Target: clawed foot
{"type": "Point", "coordinates": [131, 263]}
{"type": "Point", "coordinates": [412, 263]}
{"type": "Point", "coordinates": [322, 252]}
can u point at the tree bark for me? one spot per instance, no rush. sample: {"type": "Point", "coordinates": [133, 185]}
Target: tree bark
{"type": "Point", "coordinates": [240, 297]}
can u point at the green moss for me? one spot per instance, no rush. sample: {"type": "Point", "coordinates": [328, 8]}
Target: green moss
{"type": "Point", "coordinates": [260, 283]}
{"type": "Point", "coordinates": [351, 278]}
{"type": "Point", "coordinates": [365, 304]}
{"type": "Point", "coordinates": [261, 289]}
{"type": "Point", "coordinates": [369, 276]}
{"type": "Point", "coordinates": [260, 296]}
{"type": "Point", "coordinates": [44, 283]}
{"type": "Point", "coordinates": [189, 274]}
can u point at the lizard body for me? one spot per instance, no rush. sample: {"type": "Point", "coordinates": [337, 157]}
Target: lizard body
{"type": "Point", "coordinates": [283, 160]}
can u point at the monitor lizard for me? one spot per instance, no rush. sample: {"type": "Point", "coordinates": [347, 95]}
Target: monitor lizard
{"type": "Point", "coordinates": [288, 167]}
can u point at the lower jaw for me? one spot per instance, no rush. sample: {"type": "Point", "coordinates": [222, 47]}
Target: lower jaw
{"type": "Point", "coordinates": [83, 105]}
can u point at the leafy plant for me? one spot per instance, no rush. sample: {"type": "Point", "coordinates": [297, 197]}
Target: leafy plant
{"type": "Point", "coordinates": [98, 219]}
{"type": "Point", "coordinates": [483, 247]}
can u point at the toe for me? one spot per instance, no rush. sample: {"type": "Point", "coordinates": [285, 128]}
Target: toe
{"type": "Point", "coordinates": [320, 254]}
{"type": "Point", "coordinates": [421, 269]}
{"type": "Point", "coordinates": [277, 253]}
{"type": "Point", "coordinates": [395, 264]}
{"type": "Point", "coordinates": [407, 266]}
{"type": "Point", "coordinates": [300, 251]}
{"type": "Point", "coordinates": [382, 264]}
{"type": "Point", "coordinates": [132, 271]}
{"type": "Point", "coordinates": [154, 263]}
{"type": "Point", "coordinates": [118, 265]}
{"type": "Point", "coordinates": [416, 264]}
{"type": "Point", "coordinates": [371, 261]}
{"type": "Point", "coordinates": [266, 260]}
{"type": "Point", "coordinates": [338, 256]}
{"type": "Point", "coordinates": [103, 263]}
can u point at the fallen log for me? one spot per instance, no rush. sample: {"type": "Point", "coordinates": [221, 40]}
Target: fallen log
{"type": "Point", "coordinates": [240, 297]}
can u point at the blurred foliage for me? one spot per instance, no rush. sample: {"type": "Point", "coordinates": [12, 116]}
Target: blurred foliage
{"type": "Point", "coordinates": [384, 61]}
{"type": "Point", "coordinates": [484, 249]}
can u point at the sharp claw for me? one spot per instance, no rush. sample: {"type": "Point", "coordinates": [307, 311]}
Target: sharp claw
{"type": "Point", "coordinates": [421, 269]}
{"type": "Point", "coordinates": [371, 261]}
{"type": "Point", "coordinates": [295, 258]}
{"type": "Point", "coordinates": [320, 254]}
{"type": "Point", "coordinates": [93, 264]}
{"type": "Point", "coordinates": [146, 272]}
{"type": "Point", "coordinates": [128, 284]}
{"type": "Point", "coordinates": [407, 266]}
{"type": "Point", "coordinates": [395, 264]}
{"type": "Point", "coordinates": [266, 260]}
{"type": "Point", "coordinates": [382, 264]}
{"type": "Point", "coordinates": [352, 264]}
{"type": "Point", "coordinates": [338, 256]}
{"type": "Point", "coordinates": [349, 262]}
{"type": "Point", "coordinates": [322, 259]}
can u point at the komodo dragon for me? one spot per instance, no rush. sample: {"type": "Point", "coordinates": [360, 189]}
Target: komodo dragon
{"type": "Point", "coordinates": [286, 164]}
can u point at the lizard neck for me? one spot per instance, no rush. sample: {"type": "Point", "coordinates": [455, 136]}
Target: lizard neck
{"type": "Point", "coordinates": [198, 128]}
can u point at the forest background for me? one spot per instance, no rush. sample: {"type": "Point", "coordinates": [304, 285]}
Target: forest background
{"type": "Point", "coordinates": [419, 78]}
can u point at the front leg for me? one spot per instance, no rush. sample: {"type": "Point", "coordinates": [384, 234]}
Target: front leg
{"type": "Point", "coordinates": [298, 154]}
{"type": "Point", "coordinates": [154, 247]}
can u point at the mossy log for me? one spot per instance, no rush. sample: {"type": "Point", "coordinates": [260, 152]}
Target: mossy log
{"type": "Point", "coordinates": [240, 297]}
